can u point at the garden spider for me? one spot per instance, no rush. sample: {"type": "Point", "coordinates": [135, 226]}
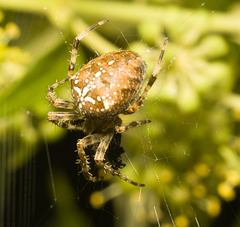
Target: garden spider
{"type": "Point", "coordinates": [104, 88]}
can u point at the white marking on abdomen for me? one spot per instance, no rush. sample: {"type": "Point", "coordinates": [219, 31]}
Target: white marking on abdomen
{"type": "Point", "coordinates": [111, 62]}
{"type": "Point", "coordinates": [85, 91]}
{"type": "Point", "coordinates": [78, 90]}
{"type": "Point", "coordinates": [89, 99]}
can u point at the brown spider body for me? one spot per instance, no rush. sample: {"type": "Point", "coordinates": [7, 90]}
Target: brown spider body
{"type": "Point", "coordinates": [99, 125]}
{"type": "Point", "coordinates": [106, 85]}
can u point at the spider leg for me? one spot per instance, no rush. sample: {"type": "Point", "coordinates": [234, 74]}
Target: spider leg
{"type": "Point", "coordinates": [133, 108]}
{"type": "Point", "coordinates": [59, 103]}
{"type": "Point", "coordinates": [60, 118]}
{"type": "Point", "coordinates": [75, 46]}
{"type": "Point", "coordinates": [99, 157]}
{"type": "Point", "coordinates": [83, 159]}
{"type": "Point", "coordinates": [124, 128]}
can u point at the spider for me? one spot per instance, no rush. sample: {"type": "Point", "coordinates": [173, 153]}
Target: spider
{"type": "Point", "coordinates": [105, 87]}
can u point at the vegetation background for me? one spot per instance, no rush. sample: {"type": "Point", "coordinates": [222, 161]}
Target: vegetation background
{"type": "Point", "coordinates": [188, 157]}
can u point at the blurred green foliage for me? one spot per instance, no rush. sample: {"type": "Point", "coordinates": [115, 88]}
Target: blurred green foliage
{"type": "Point", "coordinates": [189, 156]}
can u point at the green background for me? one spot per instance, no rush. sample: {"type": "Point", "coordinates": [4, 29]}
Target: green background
{"type": "Point", "coordinates": [188, 157]}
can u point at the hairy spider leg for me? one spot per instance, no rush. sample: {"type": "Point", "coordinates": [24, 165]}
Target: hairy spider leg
{"type": "Point", "coordinates": [133, 108]}
{"type": "Point", "coordinates": [59, 103]}
{"type": "Point", "coordinates": [83, 158]}
{"type": "Point", "coordinates": [62, 119]}
{"type": "Point", "coordinates": [99, 158]}
{"type": "Point", "coordinates": [75, 46]}
{"type": "Point", "coordinates": [63, 116]}
{"type": "Point", "coordinates": [124, 128]}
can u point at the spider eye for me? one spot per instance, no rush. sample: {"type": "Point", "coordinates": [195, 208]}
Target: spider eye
{"type": "Point", "coordinates": [106, 85]}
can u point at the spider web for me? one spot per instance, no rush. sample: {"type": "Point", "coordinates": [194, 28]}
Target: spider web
{"type": "Point", "coordinates": [149, 156]}
{"type": "Point", "coordinates": [62, 199]}
{"type": "Point", "coordinates": [148, 152]}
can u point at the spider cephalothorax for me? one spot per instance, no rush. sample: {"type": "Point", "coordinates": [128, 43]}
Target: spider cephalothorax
{"type": "Point", "coordinates": [104, 88]}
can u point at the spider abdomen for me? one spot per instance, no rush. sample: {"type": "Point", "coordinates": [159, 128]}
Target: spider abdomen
{"type": "Point", "coordinates": [106, 85]}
